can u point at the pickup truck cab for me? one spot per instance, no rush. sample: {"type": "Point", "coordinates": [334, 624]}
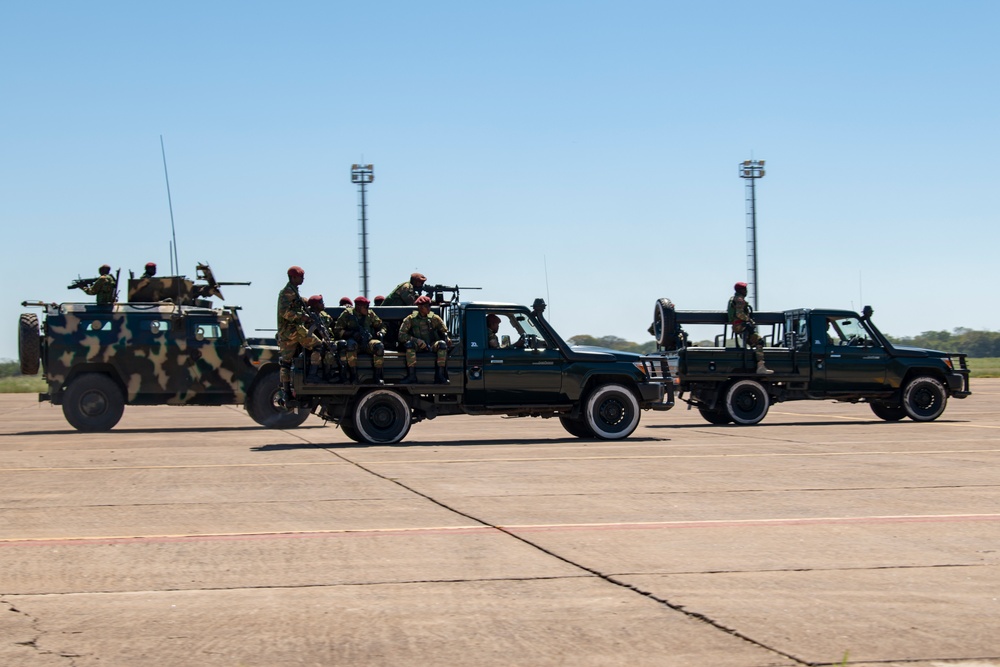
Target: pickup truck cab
{"type": "Point", "coordinates": [815, 354]}
{"type": "Point", "coordinates": [595, 393]}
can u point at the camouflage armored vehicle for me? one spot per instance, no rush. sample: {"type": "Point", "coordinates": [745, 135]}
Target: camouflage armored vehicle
{"type": "Point", "coordinates": [166, 346]}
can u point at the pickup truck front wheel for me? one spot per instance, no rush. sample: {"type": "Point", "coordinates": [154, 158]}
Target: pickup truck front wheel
{"type": "Point", "coordinates": [382, 417]}
{"type": "Point", "coordinates": [924, 399]}
{"type": "Point", "coordinates": [612, 412]}
{"type": "Point", "coordinates": [262, 404]}
{"type": "Point", "coordinates": [93, 402]}
{"type": "Point", "coordinates": [747, 402]}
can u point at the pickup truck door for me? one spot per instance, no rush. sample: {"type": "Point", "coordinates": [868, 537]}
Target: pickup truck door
{"type": "Point", "coordinates": [525, 371]}
{"type": "Point", "coordinates": [847, 358]}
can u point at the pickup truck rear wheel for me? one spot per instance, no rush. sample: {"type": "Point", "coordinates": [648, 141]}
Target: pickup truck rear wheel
{"type": "Point", "coordinates": [576, 427]}
{"type": "Point", "coordinates": [747, 402]}
{"type": "Point", "coordinates": [890, 413]}
{"type": "Point", "coordinates": [347, 426]}
{"type": "Point", "coordinates": [382, 417]}
{"type": "Point", "coordinates": [29, 343]}
{"type": "Point", "coordinates": [93, 402]}
{"type": "Point", "coordinates": [924, 399]}
{"type": "Point", "coordinates": [262, 404]}
{"type": "Point", "coordinates": [612, 412]}
{"type": "Point", "coordinates": [715, 416]}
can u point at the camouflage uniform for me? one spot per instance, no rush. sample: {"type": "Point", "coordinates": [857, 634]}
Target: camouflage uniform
{"type": "Point", "coordinates": [325, 354]}
{"type": "Point", "coordinates": [355, 328]}
{"type": "Point", "coordinates": [103, 287]}
{"type": "Point", "coordinates": [404, 295]}
{"type": "Point", "coordinates": [292, 331]}
{"type": "Point", "coordinates": [741, 317]}
{"type": "Point", "coordinates": [416, 334]}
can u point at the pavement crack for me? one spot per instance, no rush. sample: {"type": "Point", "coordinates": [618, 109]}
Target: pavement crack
{"type": "Point", "coordinates": [35, 632]}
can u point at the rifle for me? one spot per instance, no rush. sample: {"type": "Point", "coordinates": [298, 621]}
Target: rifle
{"type": "Point", "coordinates": [204, 272]}
{"type": "Point", "coordinates": [436, 292]}
{"type": "Point", "coordinates": [80, 283]}
{"type": "Point", "coordinates": [317, 325]}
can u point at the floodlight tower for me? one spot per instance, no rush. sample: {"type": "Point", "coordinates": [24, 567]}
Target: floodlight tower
{"type": "Point", "coordinates": [362, 174]}
{"type": "Point", "coordinates": [751, 170]}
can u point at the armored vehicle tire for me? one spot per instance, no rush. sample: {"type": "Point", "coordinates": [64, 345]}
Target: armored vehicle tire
{"type": "Point", "coordinates": [93, 402]}
{"type": "Point", "coordinates": [382, 417]}
{"type": "Point", "coordinates": [747, 402]}
{"type": "Point", "coordinates": [576, 427]}
{"type": "Point", "coordinates": [29, 343]}
{"type": "Point", "coordinates": [611, 412]}
{"type": "Point", "coordinates": [890, 413]}
{"type": "Point", "coordinates": [664, 323]}
{"type": "Point", "coordinates": [924, 399]}
{"type": "Point", "coordinates": [715, 416]}
{"type": "Point", "coordinates": [262, 404]}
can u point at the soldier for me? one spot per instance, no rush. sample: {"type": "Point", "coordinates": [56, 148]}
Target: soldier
{"type": "Point", "coordinates": [104, 287]}
{"type": "Point", "coordinates": [406, 294]}
{"type": "Point", "coordinates": [292, 333]}
{"type": "Point", "coordinates": [377, 301]}
{"type": "Point", "coordinates": [741, 317]}
{"type": "Point", "coordinates": [150, 270]}
{"type": "Point", "coordinates": [538, 307]}
{"type": "Point", "coordinates": [417, 333]}
{"type": "Point", "coordinates": [345, 302]}
{"type": "Point", "coordinates": [325, 356]}
{"type": "Point", "coordinates": [493, 326]}
{"type": "Point", "coordinates": [361, 328]}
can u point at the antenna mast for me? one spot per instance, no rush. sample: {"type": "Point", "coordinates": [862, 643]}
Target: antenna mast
{"type": "Point", "coordinates": [174, 263]}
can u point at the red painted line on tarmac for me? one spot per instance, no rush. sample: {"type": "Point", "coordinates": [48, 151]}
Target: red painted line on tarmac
{"type": "Point", "coordinates": [481, 530]}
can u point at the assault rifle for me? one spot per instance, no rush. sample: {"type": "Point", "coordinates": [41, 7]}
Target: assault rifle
{"type": "Point", "coordinates": [317, 325]}
{"type": "Point", "coordinates": [80, 283]}
{"type": "Point", "coordinates": [436, 292]}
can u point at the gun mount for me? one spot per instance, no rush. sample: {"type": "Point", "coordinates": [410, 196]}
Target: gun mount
{"type": "Point", "coordinates": [179, 290]}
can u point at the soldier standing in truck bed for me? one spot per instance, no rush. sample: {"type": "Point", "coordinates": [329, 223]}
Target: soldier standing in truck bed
{"type": "Point", "coordinates": [361, 330]}
{"type": "Point", "coordinates": [424, 331]}
{"type": "Point", "coordinates": [741, 317]}
{"type": "Point", "coordinates": [292, 331]}
{"type": "Point", "coordinates": [104, 287]}
{"type": "Point", "coordinates": [406, 294]}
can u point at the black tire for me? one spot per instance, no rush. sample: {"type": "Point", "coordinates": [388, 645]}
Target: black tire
{"type": "Point", "coordinates": [262, 403]}
{"type": "Point", "coordinates": [611, 412]}
{"type": "Point", "coordinates": [665, 324]}
{"type": "Point", "coordinates": [347, 426]}
{"type": "Point", "coordinates": [93, 402]}
{"type": "Point", "coordinates": [747, 402]}
{"type": "Point", "coordinates": [890, 413]}
{"type": "Point", "coordinates": [715, 416]}
{"type": "Point", "coordinates": [924, 399]}
{"type": "Point", "coordinates": [382, 417]}
{"type": "Point", "coordinates": [576, 427]}
{"type": "Point", "coordinates": [29, 344]}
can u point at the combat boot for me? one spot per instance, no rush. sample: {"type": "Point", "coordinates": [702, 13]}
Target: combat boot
{"type": "Point", "coordinates": [441, 375]}
{"type": "Point", "coordinates": [762, 369]}
{"type": "Point", "coordinates": [377, 376]}
{"type": "Point", "coordinates": [411, 376]}
{"type": "Point", "coordinates": [286, 398]}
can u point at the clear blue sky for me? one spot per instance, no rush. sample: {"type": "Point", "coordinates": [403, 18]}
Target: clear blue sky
{"type": "Point", "coordinates": [585, 152]}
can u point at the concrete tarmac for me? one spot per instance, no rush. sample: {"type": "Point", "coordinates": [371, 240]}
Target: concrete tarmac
{"type": "Point", "coordinates": [190, 536]}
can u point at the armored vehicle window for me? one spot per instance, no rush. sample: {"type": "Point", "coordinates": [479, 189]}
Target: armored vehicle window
{"type": "Point", "coordinates": [207, 332]}
{"type": "Point", "coordinates": [159, 326]}
{"type": "Point", "coordinates": [100, 325]}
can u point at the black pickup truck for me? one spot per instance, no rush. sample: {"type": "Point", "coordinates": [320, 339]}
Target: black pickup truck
{"type": "Point", "coordinates": [815, 354]}
{"type": "Point", "coordinates": [595, 393]}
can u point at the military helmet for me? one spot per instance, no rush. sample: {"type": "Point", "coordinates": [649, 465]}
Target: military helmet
{"type": "Point", "coordinates": [296, 271]}
{"type": "Point", "coordinates": [422, 301]}
{"type": "Point", "coordinates": [361, 300]}
{"type": "Point", "coordinates": [417, 278]}
{"type": "Point", "coordinates": [104, 268]}
{"type": "Point", "coordinates": [345, 301]}
{"type": "Point", "coordinates": [316, 300]}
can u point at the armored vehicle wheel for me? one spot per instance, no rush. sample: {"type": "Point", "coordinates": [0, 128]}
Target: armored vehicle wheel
{"type": "Point", "coordinates": [576, 427]}
{"type": "Point", "coordinates": [715, 416]}
{"type": "Point", "coordinates": [747, 402]}
{"type": "Point", "coordinates": [890, 413]}
{"type": "Point", "coordinates": [347, 426]}
{"type": "Point", "coordinates": [924, 399]}
{"type": "Point", "coordinates": [262, 404]}
{"type": "Point", "coordinates": [382, 417]}
{"type": "Point", "coordinates": [612, 412]}
{"type": "Point", "coordinates": [29, 343]}
{"type": "Point", "coordinates": [93, 402]}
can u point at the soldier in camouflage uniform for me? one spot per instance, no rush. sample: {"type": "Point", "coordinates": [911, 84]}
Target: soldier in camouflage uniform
{"type": "Point", "coordinates": [293, 316]}
{"type": "Point", "coordinates": [104, 287]}
{"type": "Point", "coordinates": [741, 317]}
{"type": "Point", "coordinates": [406, 294]}
{"type": "Point", "coordinates": [424, 331]}
{"type": "Point", "coordinates": [323, 357]}
{"type": "Point", "coordinates": [361, 328]}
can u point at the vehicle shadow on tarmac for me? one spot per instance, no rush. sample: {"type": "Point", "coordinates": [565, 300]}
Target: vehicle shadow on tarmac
{"type": "Point", "coordinates": [866, 422]}
{"type": "Point", "coordinates": [181, 429]}
{"type": "Point", "coordinates": [437, 443]}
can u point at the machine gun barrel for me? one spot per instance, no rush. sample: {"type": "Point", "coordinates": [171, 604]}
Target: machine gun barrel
{"type": "Point", "coordinates": [80, 283]}
{"type": "Point", "coordinates": [436, 292]}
